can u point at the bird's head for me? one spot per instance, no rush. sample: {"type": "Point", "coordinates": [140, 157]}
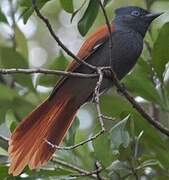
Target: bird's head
{"type": "Point", "coordinates": [134, 18]}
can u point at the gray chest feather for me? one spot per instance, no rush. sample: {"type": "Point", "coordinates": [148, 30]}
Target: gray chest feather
{"type": "Point", "coordinates": [125, 52]}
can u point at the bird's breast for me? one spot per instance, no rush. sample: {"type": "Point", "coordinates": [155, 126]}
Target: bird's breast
{"type": "Point", "coordinates": [126, 50]}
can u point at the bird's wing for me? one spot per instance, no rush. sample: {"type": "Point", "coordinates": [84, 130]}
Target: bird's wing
{"type": "Point", "coordinates": [90, 45]}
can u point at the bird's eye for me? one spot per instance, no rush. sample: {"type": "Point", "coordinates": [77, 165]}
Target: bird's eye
{"type": "Point", "coordinates": [135, 13]}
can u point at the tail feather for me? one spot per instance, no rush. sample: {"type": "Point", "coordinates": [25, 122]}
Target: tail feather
{"type": "Point", "coordinates": [49, 121]}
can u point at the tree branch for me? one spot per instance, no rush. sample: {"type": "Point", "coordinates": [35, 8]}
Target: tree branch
{"type": "Point", "coordinates": [130, 98]}
{"type": "Point", "coordinates": [47, 71]}
{"type": "Point", "coordinates": [46, 21]}
{"type": "Point", "coordinates": [75, 75]}
{"type": "Point", "coordinates": [76, 145]}
{"type": "Point", "coordinates": [98, 170]}
{"type": "Point", "coordinates": [82, 172]}
{"type": "Point", "coordinates": [136, 105]}
{"type": "Point", "coordinates": [97, 99]}
{"type": "Point", "coordinates": [109, 30]}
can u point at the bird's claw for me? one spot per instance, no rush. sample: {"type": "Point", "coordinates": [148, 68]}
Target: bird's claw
{"type": "Point", "coordinates": [107, 73]}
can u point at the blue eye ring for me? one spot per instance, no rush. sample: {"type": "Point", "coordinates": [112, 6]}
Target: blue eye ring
{"type": "Point", "coordinates": [135, 13]}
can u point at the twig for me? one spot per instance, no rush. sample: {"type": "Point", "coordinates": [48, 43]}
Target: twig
{"type": "Point", "coordinates": [109, 30]}
{"type": "Point", "coordinates": [46, 21]}
{"type": "Point", "coordinates": [76, 145]}
{"type": "Point", "coordinates": [123, 90]}
{"type": "Point", "coordinates": [77, 169]}
{"type": "Point", "coordinates": [98, 170]}
{"type": "Point", "coordinates": [108, 118]}
{"type": "Point", "coordinates": [134, 170]}
{"type": "Point", "coordinates": [46, 71]}
{"type": "Point", "coordinates": [82, 172]}
{"type": "Point", "coordinates": [92, 173]}
{"type": "Point", "coordinates": [97, 99]}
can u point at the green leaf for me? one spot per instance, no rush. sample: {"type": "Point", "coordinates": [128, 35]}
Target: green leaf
{"type": "Point", "coordinates": [2, 17]}
{"type": "Point", "coordinates": [89, 17]}
{"type": "Point", "coordinates": [28, 3]}
{"type": "Point", "coordinates": [75, 12]}
{"type": "Point", "coordinates": [21, 42]}
{"type": "Point", "coordinates": [21, 107]}
{"type": "Point", "coordinates": [6, 97]}
{"type": "Point", "coordinates": [3, 143]}
{"type": "Point", "coordinates": [10, 119]}
{"type": "Point", "coordinates": [2, 113]}
{"type": "Point", "coordinates": [102, 148]}
{"type": "Point", "coordinates": [119, 135]}
{"type": "Point", "coordinates": [153, 150]}
{"type": "Point", "coordinates": [4, 172]}
{"type": "Point", "coordinates": [160, 53]}
{"type": "Point", "coordinates": [121, 168]}
{"type": "Point", "coordinates": [54, 172]}
{"type": "Point", "coordinates": [114, 105]}
{"type": "Point", "coordinates": [59, 63]}
{"type": "Point", "coordinates": [136, 145]}
{"type": "Point", "coordinates": [150, 162]}
{"type": "Point", "coordinates": [9, 58]}
{"type": "Point", "coordinates": [3, 152]}
{"type": "Point", "coordinates": [105, 2]}
{"type": "Point", "coordinates": [7, 94]}
{"type": "Point", "coordinates": [67, 5]}
{"type": "Point", "coordinates": [145, 87]}
{"type": "Point", "coordinates": [27, 9]}
{"type": "Point", "coordinates": [26, 13]}
{"type": "Point", "coordinates": [123, 153]}
{"type": "Point", "coordinates": [70, 138]}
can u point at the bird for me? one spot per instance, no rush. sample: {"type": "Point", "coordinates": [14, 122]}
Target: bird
{"type": "Point", "coordinates": [53, 117]}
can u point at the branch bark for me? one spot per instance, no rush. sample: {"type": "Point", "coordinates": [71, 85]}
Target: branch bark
{"type": "Point", "coordinates": [82, 172]}
{"type": "Point", "coordinates": [47, 71]}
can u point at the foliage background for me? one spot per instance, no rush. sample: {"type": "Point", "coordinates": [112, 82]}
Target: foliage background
{"type": "Point", "coordinates": [131, 148]}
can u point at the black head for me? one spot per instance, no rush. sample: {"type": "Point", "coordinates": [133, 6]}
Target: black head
{"type": "Point", "coordinates": [134, 18]}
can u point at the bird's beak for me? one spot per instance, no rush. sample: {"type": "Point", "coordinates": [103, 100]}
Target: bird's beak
{"type": "Point", "coordinates": [153, 16]}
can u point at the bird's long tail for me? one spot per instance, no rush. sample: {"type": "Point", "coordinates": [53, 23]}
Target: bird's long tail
{"type": "Point", "coordinates": [50, 121]}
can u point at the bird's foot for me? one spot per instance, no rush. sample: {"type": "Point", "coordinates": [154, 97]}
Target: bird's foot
{"type": "Point", "coordinates": [107, 72]}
